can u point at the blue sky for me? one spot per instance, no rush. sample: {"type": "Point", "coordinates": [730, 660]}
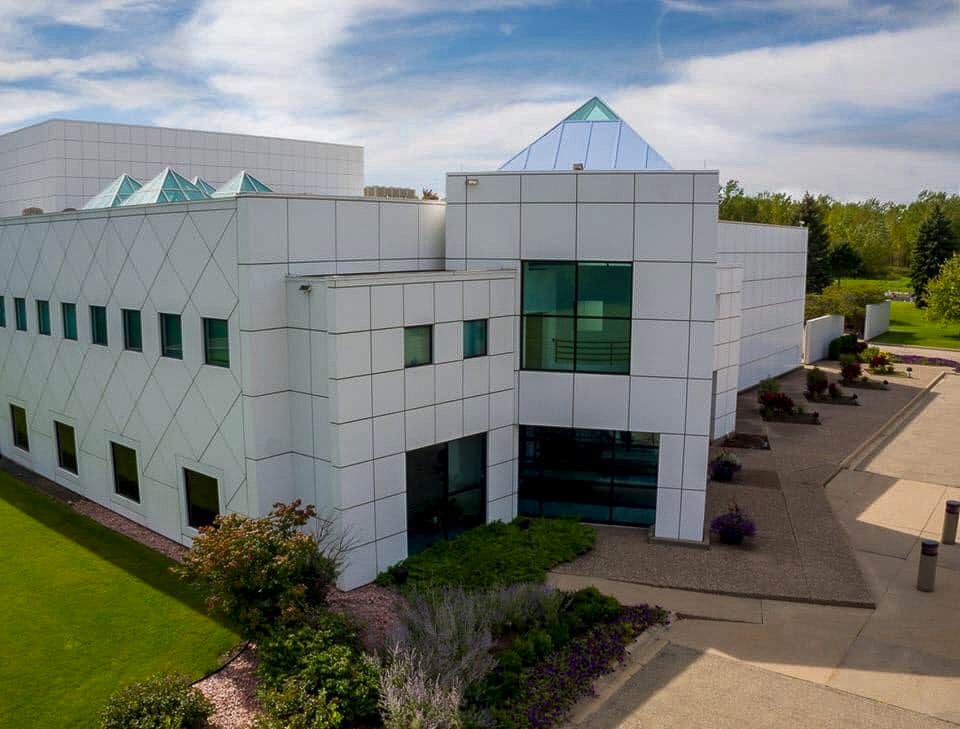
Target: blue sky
{"type": "Point", "coordinates": [855, 98]}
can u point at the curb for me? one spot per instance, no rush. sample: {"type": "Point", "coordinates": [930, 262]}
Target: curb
{"type": "Point", "coordinates": [232, 655]}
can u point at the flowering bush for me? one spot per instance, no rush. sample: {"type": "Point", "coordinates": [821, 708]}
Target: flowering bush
{"type": "Point", "coordinates": [880, 364]}
{"type": "Point", "coordinates": [816, 382]}
{"type": "Point", "coordinates": [724, 466]}
{"type": "Point", "coordinates": [850, 371]}
{"type": "Point", "coordinates": [256, 572]}
{"type": "Point", "coordinates": [777, 403]}
{"type": "Point", "coordinates": [411, 697]}
{"type": "Point", "coordinates": [733, 525]}
{"type": "Point", "coordinates": [834, 391]}
{"type": "Point", "coordinates": [552, 686]}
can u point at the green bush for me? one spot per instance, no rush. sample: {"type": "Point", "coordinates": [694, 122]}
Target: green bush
{"type": "Point", "coordinates": [846, 344]}
{"type": "Point", "coordinates": [161, 702]}
{"type": "Point", "coordinates": [257, 572]}
{"type": "Point", "coordinates": [851, 302]}
{"type": "Point", "coordinates": [317, 670]}
{"type": "Point", "coordinates": [817, 382]}
{"type": "Point", "coordinates": [769, 385]}
{"type": "Point", "coordinates": [494, 554]}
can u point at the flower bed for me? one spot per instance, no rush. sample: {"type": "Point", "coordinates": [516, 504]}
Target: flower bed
{"type": "Point", "coordinates": [779, 407]}
{"type": "Point", "coordinates": [916, 359]}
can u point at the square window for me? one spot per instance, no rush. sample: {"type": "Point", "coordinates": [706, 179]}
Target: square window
{"type": "Point", "coordinates": [98, 325]}
{"type": "Point", "coordinates": [69, 321]}
{"type": "Point", "coordinates": [417, 346]}
{"type": "Point", "coordinates": [20, 311]}
{"type": "Point", "coordinates": [132, 332]}
{"type": "Point", "coordinates": [43, 317]}
{"type": "Point", "coordinates": [203, 500]}
{"type": "Point", "coordinates": [171, 336]}
{"type": "Point", "coordinates": [126, 479]}
{"type": "Point", "coordinates": [20, 437]}
{"type": "Point", "coordinates": [474, 338]}
{"type": "Point", "coordinates": [216, 342]}
{"type": "Point", "coordinates": [66, 447]}
{"type": "Point", "coordinates": [3, 313]}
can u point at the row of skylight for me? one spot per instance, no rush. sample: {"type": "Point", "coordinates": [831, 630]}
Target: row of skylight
{"type": "Point", "coordinates": [170, 186]}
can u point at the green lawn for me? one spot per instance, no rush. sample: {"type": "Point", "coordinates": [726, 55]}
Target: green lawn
{"type": "Point", "coordinates": [85, 610]}
{"type": "Point", "coordinates": [889, 284]}
{"type": "Point", "coordinates": [909, 326]}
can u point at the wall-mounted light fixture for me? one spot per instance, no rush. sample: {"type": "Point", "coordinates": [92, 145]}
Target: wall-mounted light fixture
{"type": "Point", "coordinates": [578, 166]}
{"type": "Point", "coordinates": [305, 288]}
{"type": "Point", "coordinates": [472, 181]}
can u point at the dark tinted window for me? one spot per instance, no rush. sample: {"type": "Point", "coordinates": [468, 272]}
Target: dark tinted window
{"type": "Point", "coordinates": [126, 480]}
{"type": "Point", "coordinates": [20, 437]}
{"type": "Point", "coordinates": [171, 336]}
{"type": "Point", "coordinates": [203, 501]}
{"type": "Point", "coordinates": [66, 447]}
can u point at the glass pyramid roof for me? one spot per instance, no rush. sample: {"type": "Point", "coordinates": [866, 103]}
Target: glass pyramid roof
{"type": "Point", "coordinates": [592, 136]}
{"type": "Point", "coordinates": [203, 185]}
{"type": "Point", "coordinates": [243, 181]}
{"type": "Point", "coordinates": [113, 194]}
{"type": "Point", "coordinates": [593, 110]}
{"type": "Point", "coordinates": [168, 186]}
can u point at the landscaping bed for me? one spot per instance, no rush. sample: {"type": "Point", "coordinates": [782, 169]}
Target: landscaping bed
{"type": "Point", "coordinates": [753, 441]}
{"type": "Point", "coordinates": [840, 400]}
{"type": "Point", "coordinates": [796, 418]}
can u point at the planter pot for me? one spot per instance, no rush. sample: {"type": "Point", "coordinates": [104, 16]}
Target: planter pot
{"type": "Point", "coordinates": [731, 536]}
{"type": "Point", "coordinates": [722, 471]}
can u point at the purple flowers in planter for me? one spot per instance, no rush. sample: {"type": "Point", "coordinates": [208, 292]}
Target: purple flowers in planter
{"type": "Point", "coordinates": [733, 526]}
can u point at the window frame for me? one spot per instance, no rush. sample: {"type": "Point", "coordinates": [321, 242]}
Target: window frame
{"type": "Point", "coordinates": [486, 338]}
{"type": "Point", "coordinates": [57, 425]}
{"type": "Point", "coordinates": [204, 326]}
{"type": "Point", "coordinates": [25, 445]}
{"type": "Point", "coordinates": [203, 472]}
{"type": "Point", "coordinates": [43, 317]}
{"type": "Point", "coordinates": [3, 312]}
{"type": "Point", "coordinates": [95, 327]}
{"type": "Point", "coordinates": [164, 351]}
{"type": "Point", "coordinates": [66, 306]}
{"type": "Point", "coordinates": [113, 466]}
{"type": "Point", "coordinates": [125, 316]}
{"type": "Point", "coordinates": [430, 355]}
{"type": "Point", "coordinates": [20, 313]}
{"type": "Point", "coordinates": [575, 317]}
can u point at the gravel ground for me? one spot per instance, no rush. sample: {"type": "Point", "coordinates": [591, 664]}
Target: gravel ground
{"type": "Point", "coordinates": [231, 690]}
{"type": "Point", "coordinates": [146, 537]}
{"type": "Point", "coordinates": [373, 606]}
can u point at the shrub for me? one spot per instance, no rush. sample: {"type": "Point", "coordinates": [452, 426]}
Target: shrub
{"type": "Point", "coordinates": [846, 344]}
{"type": "Point", "coordinates": [412, 698]}
{"type": "Point", "coordinates": [256, 572]}
{"type": "Point", "coordinates": [550, 688]}
{"type": "Point", "coordinates": [834, 391]}
{"type": "Point", "coordinates": [777, 403]}
{"type": "Point", "coordinates": [297, 705]}
{"type": "Point", "coordinates": [850, 370]}
{"type": "Point", "coordinates": [851, 302]}
{"type": "Point", "coordinates": [770, 384]}
{"type": "Point", "coordinates": [494, 554]}
{"type": "Point", "coordinates": [816, 382]}
{"type": "Point", "coordinates": [317, 669]}
{"type": "Point", "coordinates": [160, 702]}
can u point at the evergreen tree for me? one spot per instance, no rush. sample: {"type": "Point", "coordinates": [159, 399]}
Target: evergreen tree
{"type": "Point", "coordinates": [935, 244]}
{"type": "Point", "coordinates": [810, 214]}
{"type": "Point", "coordinates": [845, 262]}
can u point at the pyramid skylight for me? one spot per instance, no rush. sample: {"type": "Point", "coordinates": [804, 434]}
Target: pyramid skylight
{"type": "Point", "coordinates": [592, 136]}
{"type": "Point", "coordinates": [113, 194]}
{"type": "Point", "coordinates": [202, 184]}
{"type": "Point", "coordinates": [243, 181]}
{"type": "Point", "coordinates": [168, 186]}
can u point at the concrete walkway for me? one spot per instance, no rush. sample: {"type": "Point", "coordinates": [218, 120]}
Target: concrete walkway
{"type": "Point", "coordinates": [734, 662]}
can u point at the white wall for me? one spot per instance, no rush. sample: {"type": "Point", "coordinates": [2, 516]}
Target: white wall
{"type": "Point", "coordinates": [726, 350]}
{"type": "Point", "coordinates": [877, 320]}
{"type": "Point", "coordinates": [817, 335]}
{"type": "Point", "coordinates": [773, 259]}
{"type": "Point", "coordinates": [665, 223]}
{"type": "Point", "coordinates": [58, 164]}
{"type": "Point", "coordinates": [174, 413]}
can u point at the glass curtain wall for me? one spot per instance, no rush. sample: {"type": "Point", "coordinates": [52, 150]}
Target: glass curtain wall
{"type": "Point", "coordinates": [602, 476]}
{"type": "Point", "coordinates": [576, 316]}
{"type": "Point", "coordinates": [446, 490]}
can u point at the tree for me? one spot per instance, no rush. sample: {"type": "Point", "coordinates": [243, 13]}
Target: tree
{"type": "Point", "coordinates": [844, 262]}
{"type": "Point", "coordinates": [935, 244]}
{"type": "Point", "coordinates": [810, 214]}
{"type": "Point", "coordinates": [737, 205]}
{"type": "Point", "coordinates": [943, 293]}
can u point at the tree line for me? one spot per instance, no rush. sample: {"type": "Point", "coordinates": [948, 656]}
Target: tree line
{"type": "Point", "coordinates": [883, 235]}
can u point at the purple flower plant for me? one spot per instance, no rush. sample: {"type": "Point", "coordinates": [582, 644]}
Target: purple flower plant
{"type": "Point", "coordinates": [917, 359]}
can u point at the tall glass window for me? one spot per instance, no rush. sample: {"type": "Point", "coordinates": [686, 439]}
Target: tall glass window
{"type": "Point", "coordinates": [417, 346]}
{"type": "Point", "coordinates": [216, 342]}
{"type": "Point", "coordinates": [474, 338]}
{"type": "Point", "coordinates": [20, 312]}
{"type": "Point", "coordinates": [98, 325]}
{"type": "Point", "coordinates": [69, 312]}
{"type": "Point", "coordinates": [43, 317]}
{"type": "Point", "coordinates": [132, 331]}
{"type": "Point", "coordinates": [446, 490]}
{"type": "Point", "coordinates": [18, 417]}
{"type": "Point", "coordinates": [576, 316]}
{"type": "Point", "coordinates": [66, 447]}
{"type": "Point", "coordinates": [203, 500]}
{"type": "Point", "coordinates": [3, 312]}
{"type": "Point", "coordinates": [126, 479]}
{"type": "Point", "coordinates": [596, 475]}
{"type": "Point", "coordinates": [171, 336]}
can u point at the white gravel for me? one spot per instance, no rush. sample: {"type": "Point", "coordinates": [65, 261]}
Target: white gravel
{"type": "Point", "coordinates": [146, 537]}
{"type": "Point", "coordinates": [231, 690]}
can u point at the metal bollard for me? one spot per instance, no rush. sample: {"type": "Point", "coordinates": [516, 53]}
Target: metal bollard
{"type": "Point", "coordinates": [927, 573]}
{"type": "Point", "coordinates": [950, 517]}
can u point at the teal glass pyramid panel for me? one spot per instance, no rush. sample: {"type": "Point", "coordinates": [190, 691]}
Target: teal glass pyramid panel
{"type": "Point", "coordinates": [168, 186]}
{"type": "Point", "coordinates": [593, 110]}
{"type": "Point", "coordinates": [243, 181]}
{"type": "Point", "coordinates": [113, 194]}
{"type": "Point", "coordinates": [203, 185]}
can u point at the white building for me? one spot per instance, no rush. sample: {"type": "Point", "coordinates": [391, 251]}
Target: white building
{"type": "Point", "coordinates": [61, 163]}
{"type": "Point", "coordinates": [549, 341]}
